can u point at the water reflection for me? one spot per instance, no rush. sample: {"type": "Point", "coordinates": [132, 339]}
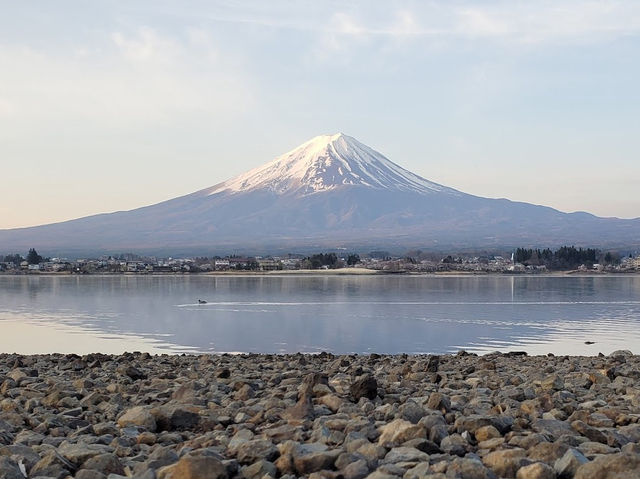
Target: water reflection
{"type": "Point", "coordinates": [388, 314]}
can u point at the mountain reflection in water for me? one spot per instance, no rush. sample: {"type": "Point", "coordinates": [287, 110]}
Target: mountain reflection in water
{"type": "Point", "coordinates": [273, 314]}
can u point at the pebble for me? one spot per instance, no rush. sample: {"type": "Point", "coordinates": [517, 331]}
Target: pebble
{"type": "Point", "coordinates": [319, 416]}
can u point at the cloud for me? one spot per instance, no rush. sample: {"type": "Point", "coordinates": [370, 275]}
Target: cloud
{"type": "Point", "coordinates": [146, 45]}
{"type": "Point", "coordinates": [127, 77]}
{"type": "Point", "coordinates": [543, 20]}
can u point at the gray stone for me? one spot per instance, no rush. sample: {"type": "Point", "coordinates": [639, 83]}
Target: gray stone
{"type": "Point", "coordinates": [9, 469]}
{"type": "Point", "coordinates": [537, 470]}
{"type": "Point", "coordinates": [552, 428]}
{"type": "Point", "coordinates": [398, 431]}
{"type": "Point", "coordinates": [568, 464]}
{"type": "Point", "coordinates": [364, 386]}
{"type": "Point", "coordinates": [138, 416]}
{"type": "Point", "coordinates": [104, 463]}
{"type": "Point", "coordinates": [255, 450]}
{"type": "Point", "coordinates": [258, 470]}
{"type": "Point", "coordinates": [405, 454]}
{"type": "Point", "coordinates": [613, 466]}
{"type": "Point", "coordinates": [194, 467]}
{"type": "Point", "coordinates": [53, 465]}
{"type": "Point", "coordinates": [356, 470]}
{"type": "Point", "coordinates": [308, 458]}
{"type": "Point", "coordinates": [468, 468]}
{"type": "Point", "coordinates": [506, 463]}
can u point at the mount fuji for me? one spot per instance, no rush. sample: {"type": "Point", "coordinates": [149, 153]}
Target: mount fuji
{"type": "Point", "coordinates": [329, 192]}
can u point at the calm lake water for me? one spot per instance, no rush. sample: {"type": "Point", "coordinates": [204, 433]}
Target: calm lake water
{"type": "Point", "coordinates": [343, 314]}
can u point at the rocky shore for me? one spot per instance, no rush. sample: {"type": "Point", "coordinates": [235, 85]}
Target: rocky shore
{"type": "Point", "coordinates": [321, 416]}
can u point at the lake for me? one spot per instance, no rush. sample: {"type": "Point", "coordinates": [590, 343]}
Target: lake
{"type": "Point", "coordinates": [340, 314]}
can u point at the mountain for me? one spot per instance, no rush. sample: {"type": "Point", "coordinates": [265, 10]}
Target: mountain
{"type": "Point", "coordinates": [329, 192]}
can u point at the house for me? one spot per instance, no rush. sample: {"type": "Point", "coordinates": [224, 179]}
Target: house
{"type": "Point", "coordinates": [269, 264]}
{"type": "Point", "coordinates": [222, 264]}
{"type": "Point", "coordinates": [238, 262]}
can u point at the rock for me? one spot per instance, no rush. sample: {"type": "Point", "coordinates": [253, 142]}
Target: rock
{"type": "Point", "coordinates": [175, 417]}
{"type": "Point", "coordinates": [424, 445]}
{"type": "Point", "coordinates": [244, 393]}
{"type": "Point", "coordinates": [53, 465]}
{"type": "Point", "coordinates": [194, 467]}
{"type": "Point", "coordinates": [21, 454]}
{"type": "Point", "coordinates": [506, 463]}
{"type": "Point", "coordinates": [455, 445]}
{"type": "Point", "coordinates": [182, 418]}
{"type": "Point", "coordinates": [356, 470]}
{"type": "Point", "coordinates": [553, 382]}
{"type": "Point", "coordinates": [475, 421]}
{"type": "Point", "coordinates": [613, 466]}
{"type": "Point", "coordinates": [590, 432]}
{"type": "Point", "coordinates": [105, 463]}
{"type": "Point", "coordinates": [132, 372]}
{"type": "Point", "coordinates": [381, 475]}
{"type": "Point", "coordinates": [302, 410]}
{"type": "Point", "coordinates": [432, 364]}
{"type": "Point", "coordinates": [486, 432]}
{"type": "Point", "coordinates": [255, 450]}
{"type": "Point", "coordinates": [591, 449]}
{"type": "Point", "coordinates": [399, 431]}
{"type": "Point", "coordinates": [621, 353]}
{"type": "Point", "coordinates": [547, 452]}
{"type": "Point", "coordinates": [537, 470]}
{"type": "Point", "coordinates": [80, 452]}
{"type": "Point", "coordinates": [411, 412]}
{"type": "Point", "coordinates": [439, 402]}
{"type": "Point", "coordinates": [364, 386]}
{"type": "Point", "coordinates": [91, 474]}
{"type": "Point", "coordinates": [332, 401]}
{"type": "Point", "coordinates": [405, 454]}
{"type": "Point", "coordinates": [552, 428]}
{"type": "Point", "coordinates": [469, 468]}
{"type": "Point", "coordinates": [9, 469]}
{"type": "Point", "coordinates": [567, 465]}
{"type": "Point", "coordinates": [313, 457]}
{"type": "Point", "coordinates": [290, 416]}
{"type": "Point", "coordinates": [418, 472]}
{"type": "Point", "coordinates": [258, 470]}
{"type": "Point", "coordinates": [138, 416]}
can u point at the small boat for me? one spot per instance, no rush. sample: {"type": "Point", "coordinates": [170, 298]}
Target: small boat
{"type": "Point", "coordinates": [202, 301]}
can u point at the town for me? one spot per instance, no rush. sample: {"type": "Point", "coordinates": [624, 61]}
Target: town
{"type": "Point", "coordinates": [518, 262]}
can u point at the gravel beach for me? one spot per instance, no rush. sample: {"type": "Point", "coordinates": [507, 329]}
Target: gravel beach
{"type": "Point", "coordinates": [320, 416]}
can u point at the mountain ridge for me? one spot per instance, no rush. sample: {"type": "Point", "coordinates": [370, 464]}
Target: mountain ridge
{"type": "Point", "coordinates": [327, 162]}
{"type": "Point", "coordinates": [331, 191]}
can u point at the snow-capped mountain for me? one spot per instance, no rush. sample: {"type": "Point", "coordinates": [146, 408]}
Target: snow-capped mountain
{"type": "Point", "coordinates": [331, 191]}
{"type": "Point", "coordinates": [328, 162]}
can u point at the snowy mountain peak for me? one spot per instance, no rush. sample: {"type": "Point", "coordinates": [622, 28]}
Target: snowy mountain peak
{"type": "Point", "coordinates": [328, 162]}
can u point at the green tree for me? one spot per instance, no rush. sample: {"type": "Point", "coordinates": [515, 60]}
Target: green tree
{"type": "Point", "coordinates": [13, 258]}
{"type": "Point", "coordinates": [33, 257]}
{"type": "Point", "coordinates": [353, 259]}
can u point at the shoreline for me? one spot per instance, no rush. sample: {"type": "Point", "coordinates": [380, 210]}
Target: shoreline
{"type": "Point", "coordinates": [319, 416]}
{"type": "Point", "coordinates": [340, 272]}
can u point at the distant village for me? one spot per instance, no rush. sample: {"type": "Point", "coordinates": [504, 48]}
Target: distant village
{"type": "Point", "coordinates": [518, 262]}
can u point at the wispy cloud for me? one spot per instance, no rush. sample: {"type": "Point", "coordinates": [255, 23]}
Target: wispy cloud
{"type": "Point", "coordinates": [529, 21]}
{"type": "Point", "coordinates": [139, 75]}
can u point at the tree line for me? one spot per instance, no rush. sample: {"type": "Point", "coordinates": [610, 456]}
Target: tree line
{"type": "Point", "coordinates": [566, 257]}
{"type": "Point", "coordinates": [32, 258]}
{"type": "Point", "coordinates": [328, 260]}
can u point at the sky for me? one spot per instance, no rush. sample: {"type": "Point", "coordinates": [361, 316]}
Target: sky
{"type": "Point", "coordinates": [113, 105]}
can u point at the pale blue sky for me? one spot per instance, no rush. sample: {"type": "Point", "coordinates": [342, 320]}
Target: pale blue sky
{"type": "Point", "coordinates": [114, 105]}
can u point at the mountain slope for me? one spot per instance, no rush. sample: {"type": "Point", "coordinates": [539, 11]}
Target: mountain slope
{"type": "Point", "coordinates": [325, 163]}
{"type": "Point", "coordinates": [331, 191]}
